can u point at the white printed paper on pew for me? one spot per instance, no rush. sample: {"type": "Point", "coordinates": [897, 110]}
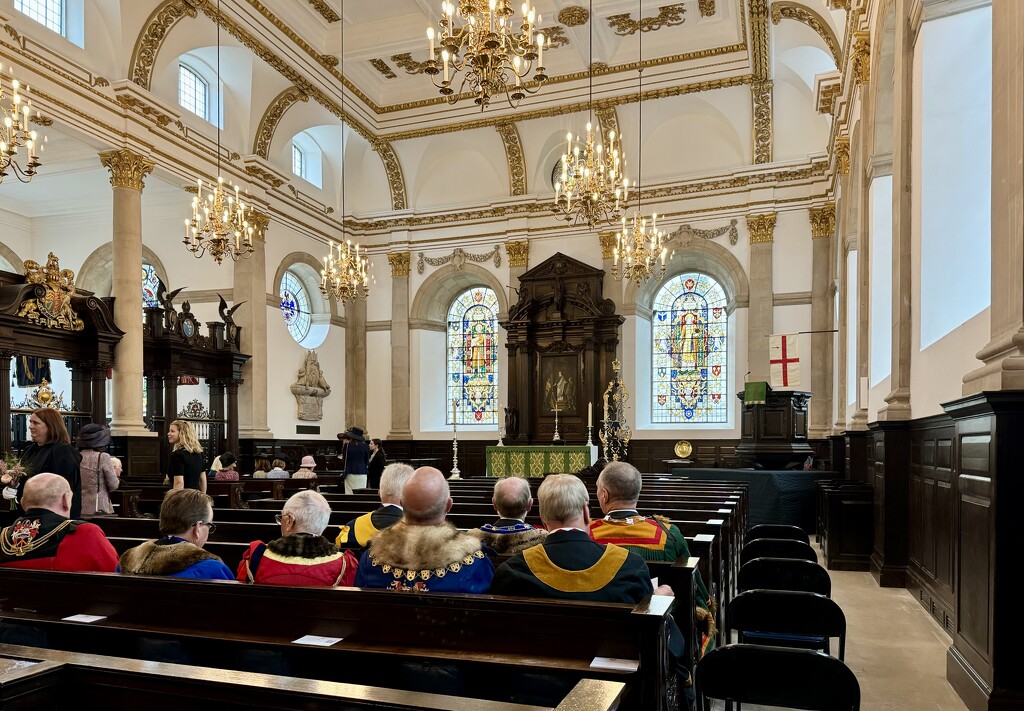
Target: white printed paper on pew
{"type": "Point", "coordinates": [317, 641]}
{"type": "Point", "coordinates": [84, 618]}
{"type": "Point", "coordinates": [613, 664]}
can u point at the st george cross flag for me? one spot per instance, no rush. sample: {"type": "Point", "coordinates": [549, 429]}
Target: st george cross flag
{"type": "Point", "coordinates": [784, 360]}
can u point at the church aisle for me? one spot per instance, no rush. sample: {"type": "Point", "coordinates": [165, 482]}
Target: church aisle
{"type": "Point", "coordinates": [893, 646]}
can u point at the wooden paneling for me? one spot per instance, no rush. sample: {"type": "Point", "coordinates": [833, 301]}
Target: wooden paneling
{"type": "Point", "coordinates": [889, 461]}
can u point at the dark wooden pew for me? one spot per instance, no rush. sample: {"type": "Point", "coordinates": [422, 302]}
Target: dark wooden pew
{"type": "Point", "coordinates": [494, 647]}
{"type": "Point", "coordinates": [59, 680]}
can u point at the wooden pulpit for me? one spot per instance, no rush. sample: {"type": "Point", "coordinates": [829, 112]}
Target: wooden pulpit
{"type": "Point", "coordinates": [773, 426]}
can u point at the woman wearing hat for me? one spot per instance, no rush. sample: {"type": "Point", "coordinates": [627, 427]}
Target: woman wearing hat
{"type": "Point", "coordinates": [306, 468]}
{"type": "Point", "coordinates": [357, 458]}
{"type": "Point", "coordinates": [99, 475]}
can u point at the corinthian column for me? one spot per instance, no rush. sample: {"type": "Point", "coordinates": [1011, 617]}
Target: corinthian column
{"type": "Point", "coordinates": [823, 227]}
{"type": "Point", "coordinates": [250, 286]}
{"type": "Point", "coordinates": [760, 317]}
{"type": "Point", "coordinates": [400, 405]}
{"type": "Point", "coordinates": [128, 171]}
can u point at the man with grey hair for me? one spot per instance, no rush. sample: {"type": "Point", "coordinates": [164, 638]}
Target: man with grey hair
{"type": "Point", "coordinates": [568, 564]}
{"type": "Point", "coordinates": [301, 556]}
{"type": "Point", "coordinates": [510, 534]}
{"type": "Point", "coordinates": [356, 534]}
{"type": "Point", "coordinates": [423, 552]}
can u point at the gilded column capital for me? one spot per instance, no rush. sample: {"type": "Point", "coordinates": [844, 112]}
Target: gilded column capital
{"type": "Point", "coordinates": [762, 227]}
{"type": "Point", "coordinates": [860, 61]}
{"type": "Point", "coordinates": [128, 169]}
{"type": "Point", "coordinates": [839, 5]}
{"type": "Point", "coordinates": [400, 263]}
{"type": "Point", "coordinates": [823, 220]}
{"type": "Point", "coordinates": [518, 252]}
{"type": "Point", "coordinates": [843, 155]}
{"type": "Point", "coordinates": [608, 242]}
{"type": "Point", "coordinates": [260, 222]}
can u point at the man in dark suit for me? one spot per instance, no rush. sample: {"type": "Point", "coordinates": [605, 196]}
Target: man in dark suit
{"type": "Point", "coordinates": [356, 534]}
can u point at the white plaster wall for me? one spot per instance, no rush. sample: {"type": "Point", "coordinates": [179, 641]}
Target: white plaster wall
{"type": "Point", "coordinates": [378, 383]}
{"type": "Point", "coordinates": [792, 256]}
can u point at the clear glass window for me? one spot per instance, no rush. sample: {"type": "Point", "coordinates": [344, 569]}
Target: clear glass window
{"type": "Point", "coordinates": [45, 12]}
{"type": "Point", "coordinates": [193, 92]}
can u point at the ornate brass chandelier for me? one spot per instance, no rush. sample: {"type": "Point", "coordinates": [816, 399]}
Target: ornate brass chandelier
{"type": "Point", "coordinates": [219, 223]}
{"type": "Point", "coordinates": [15, 134]}
{"type": "Point", "coordinates": [593, 187]}
{"type": "Point", "coordinates": [641, 247]}
{"type": "Point", "coordinates": [344, 275]}
{"type": "Point", "coordinates": [492, 57]}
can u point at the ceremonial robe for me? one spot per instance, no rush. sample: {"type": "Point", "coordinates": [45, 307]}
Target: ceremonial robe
{"type": "Point", "coordinates": [175, 558]}
{"type": "Point", "coordinates": [44, 540]}
{"type": "Point", "coordinates": [508, 536]}
{"type": "Point", "coordinates": [356, 534]}
{"type": "Point", "coordinates": [301, 559]}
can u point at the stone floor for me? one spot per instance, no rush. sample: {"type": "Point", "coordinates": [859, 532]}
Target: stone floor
{"type": "Point", "coordinates": [895, 648]}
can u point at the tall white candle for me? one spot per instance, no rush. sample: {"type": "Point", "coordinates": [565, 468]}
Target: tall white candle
{"type": "Point", "coordinates": [590, 414]}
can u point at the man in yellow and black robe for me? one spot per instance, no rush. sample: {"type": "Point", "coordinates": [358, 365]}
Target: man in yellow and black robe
{"type": "Point", "coordinates": [356, 534]}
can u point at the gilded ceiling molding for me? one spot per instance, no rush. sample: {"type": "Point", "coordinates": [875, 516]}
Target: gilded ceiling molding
{"type": "Point", "coordinates": [694, 233]}
{"type": "Point", "coordinates": [861, 60]}
{"type": "Point", "coordinates": [573, 15]}
{"type": "Point", "coordinates": [842, 155]}
{"type": "Point", "coordinates": [128, 169]}
{"type": "Point", "coordinates": [515, 158]}
{"type": "Point", "coordinates": [147, 46]}
{"type": "Point", "coordinates": [609, 119]}
{"type": "Point", "coordinates": [458, 259]}
{"type": "Point", "coordinates": [707, 7]}
{"type": "Point", "coordinates": [760, 54]}
{"type": "Point", "coordinates": [786, 9]}
{"type": "Point", "coordinates": [668, 16]}
{"type": "Point", "coordinates": [272, 117]}
{"type": "Point", "coordinates": [761, 92]}
{"type": "Point", "coordinates": [823, 220]}
{"type": "Point", "coordinates": [406, 62]}
{"type": "Point", "coordinates": [578, 107]}
{"type": "Point", "coordinates": [325, 10]}
{"type": "Point", "coordinates": [393, 169]}
{"type": "Point", "coordinates": [400, 262]}
{"type": "Point", "coordinates": [518, 252]}
{"type": "Point", "coordinates": [761, 227]}
{"type": "Point", "coordinates": [555, 37]}
{"type": "Point", "coordinates": [839, 5]}
{"type": "Point", "coordinates": [381, 66]}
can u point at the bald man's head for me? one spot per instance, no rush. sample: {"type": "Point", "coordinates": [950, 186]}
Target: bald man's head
{"type": "Point", "coordinates": [47, 491]}
{"type": "Point", "coordinates": [512, 497]}
{"type": "Point", "coordinates": [425, 497]}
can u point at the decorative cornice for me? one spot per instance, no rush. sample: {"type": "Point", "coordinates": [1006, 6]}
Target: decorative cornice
{"type": "Point", "coordinates": [760, 40]}
{"type": "Point", "coordinates": [384, 68]}
{"type": "Point", "coordinates": [761, 93]}
{"type": "Point", "coordinates": [860, 61]}
{"type": "Point", "coordinates": [147, 46]}
{"type": "Point", "coordinates": [786, 9]}
{"type": "Point", "coordinates": [272, 117]}
{"type": "Point", "coordinates": [325, 10]}
{"type": "Point", "coordinates": [128, 169]}
{"type": "Point", "coordinates": [401, 263]}
{"type": "Point", "coordinates": [842, 155]}
{"type": "Point", "coordinates": [393, 169]}
{"type": "Point", "coordinates": [458, 259]}
{"type": "Point", "coordinates": [839, 5]}
{"type": "Point", "coordinates": [573, 15]}
{"type": "Point", "coordinates": [694, 233]}
{"type": "Point", "coordinates": [609, 119]}
{"type": "Point", "coordinates": [707, 7]}
{"type": "Point", "coordinates": [823, 220]}
{"type": "Point", "coordinates": [827, 90]}
{"type": "Point", "coordinates": [761, 227]}
{"type": "Point", "coordinates": [515, 158]}
{"type": "Point", "coordinates": [518, 252]}
{"type": "Point", "coordinates": [410, 65]}
{"type": "Point", "coordinates": [608, 242]}
{"type": "Point", "coordinates": [668, 16]}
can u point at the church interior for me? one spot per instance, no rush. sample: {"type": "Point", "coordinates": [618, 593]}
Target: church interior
{"type": "Point", "coordinates": [285, 219]}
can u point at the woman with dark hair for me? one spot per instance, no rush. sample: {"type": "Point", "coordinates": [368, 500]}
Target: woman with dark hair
{"type": "Point", "coordinates": [378, 460]}
{"type": "Point", "coordinates": [99, 475]}
{"type": "Point", "coordinates": [228, 468]}
{"type": "Point", "coordinates": [51, 451]}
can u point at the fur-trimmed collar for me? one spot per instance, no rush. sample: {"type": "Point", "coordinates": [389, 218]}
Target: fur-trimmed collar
{"type": "Point", "coordinates": [422, 547]}
{"type": "Point", "coordinates": [167, 559]}
{"type": "Point", "coordinates": [302, 545]}
{"type": "Point", "coordinates": [510, 543]}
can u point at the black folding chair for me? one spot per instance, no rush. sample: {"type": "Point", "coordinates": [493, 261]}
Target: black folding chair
{"type": "Point", "coordinates": [777, 548]}
{"type": "Point", "coordinates": [775, 676]}
{"type": "Point", "coordinates": [776, 530]}
{"type": "Point", "coordinates": [787, 618]}
{"type": "Point", "coordinates": [784, 574]}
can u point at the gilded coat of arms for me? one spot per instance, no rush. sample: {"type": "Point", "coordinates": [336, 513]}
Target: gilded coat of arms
{"type": "Point", "coordinates": [53, 310]}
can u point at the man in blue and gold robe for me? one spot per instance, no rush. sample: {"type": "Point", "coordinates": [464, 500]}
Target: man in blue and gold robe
{"type": "Point", "coordinates": [510, 534]}
{"type": "Point", "coordinates": [356, 534]}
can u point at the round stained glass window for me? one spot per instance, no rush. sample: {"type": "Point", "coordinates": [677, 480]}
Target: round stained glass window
{"type": "Point", "coordinates": [295, 306]}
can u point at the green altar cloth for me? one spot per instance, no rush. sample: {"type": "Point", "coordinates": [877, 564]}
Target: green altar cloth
{"type": "Point", "coordinates": [536, 461]}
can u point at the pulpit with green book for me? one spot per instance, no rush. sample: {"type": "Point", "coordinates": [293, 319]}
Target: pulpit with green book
{"type": "Point", "coordinates": [773, 426]}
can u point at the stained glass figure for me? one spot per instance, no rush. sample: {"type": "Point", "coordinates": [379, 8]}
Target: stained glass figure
{"type": "Point", "coordinates": [473, 357]}
{"type": "Point", "coordinates": [294, 306]}
{"type": "Point", "coordinates": [150, 287]}
{"type": "Point", "coordinates": [690, 331]}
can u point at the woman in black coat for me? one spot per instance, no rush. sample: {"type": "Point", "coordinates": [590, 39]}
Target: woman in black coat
{"type": "Point", "coordinates": [51, 451]}
{"type": "Point", "coordinates": [378, 460]}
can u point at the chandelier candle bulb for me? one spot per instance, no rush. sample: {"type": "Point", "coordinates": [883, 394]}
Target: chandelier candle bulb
{"type": "Point", "coordinates": [430, 38]}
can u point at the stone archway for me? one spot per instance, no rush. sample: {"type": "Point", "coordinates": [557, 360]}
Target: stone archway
{"type": "Point", "coordinates": [97, 271]}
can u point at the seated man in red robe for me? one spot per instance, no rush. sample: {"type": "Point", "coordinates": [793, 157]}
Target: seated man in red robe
{"type": "Point", "coordinates": [46, 538]}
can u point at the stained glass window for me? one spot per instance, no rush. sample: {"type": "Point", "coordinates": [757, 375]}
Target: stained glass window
{"type": "Point", "coordinates": [150, 287]}
{"type": "Point", "coordinates": [690, 330]}
{"type": "Point", "coordinates": [295, 306]}
{"type": "Point", "coordinates": [473, 357]}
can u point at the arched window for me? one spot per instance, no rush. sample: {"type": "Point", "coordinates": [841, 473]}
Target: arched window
{"type": "Point", "coordinates": [298, 161]}
{"type": "Point", "coordinates": [150, 287]}
{"type": "Point", "coordinates": [193, 92]}
{"type": "Point", "coordinates": [295, 306]}
{"type": "Point", "coordinates": [308, 159]}
{"type": "Point", "coordinates": [473, 357]}
{"type": "Point", "coordinates": [46, 12]}
{"type": "Point", "coordinates": [690, 332]}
